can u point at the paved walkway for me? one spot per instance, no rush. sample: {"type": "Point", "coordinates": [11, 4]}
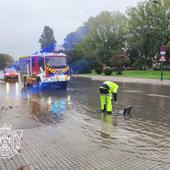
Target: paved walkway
{"type": "Point", "coordinates": [124, 79]}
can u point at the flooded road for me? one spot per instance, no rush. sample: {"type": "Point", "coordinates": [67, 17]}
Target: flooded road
{"type": "Point", "coordinates": [146, 133]}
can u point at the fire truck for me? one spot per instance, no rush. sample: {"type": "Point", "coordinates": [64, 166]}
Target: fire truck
{"type": "Point", "coordinates": [42, 70]}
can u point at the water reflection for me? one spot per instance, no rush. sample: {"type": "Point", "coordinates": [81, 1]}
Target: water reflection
{"type": "Point", "coordinates": [107, 127]}
{"type": "Point", "coordinates": [47, 106]}
{"type": "Point", "coordinates": [7, 88]}
{"type": "Point", "coordinates": [145, 133]}
{"type": "Point", "coordinates": [12, 88]}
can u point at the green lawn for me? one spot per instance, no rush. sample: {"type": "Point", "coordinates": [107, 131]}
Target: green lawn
{"type": "Point", "coordinates": [143, 74]}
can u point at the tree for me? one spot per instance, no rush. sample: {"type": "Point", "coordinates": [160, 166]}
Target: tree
{"type": "Point", "coordinates": [47, 40]}
{"type": "Point", "coordinates": [140, 35]}
{"type": "Point", "coordinates": [98, 39]}
{"type": "Point", "coordinates": [107, 33]}
{"type": "Point", "coordinates": [74, 38]}
{"type": "Point", "coordinates": [146, 25]}
{"type": "Point", "coordinates": [106, 36]}
{"type": "Point", "coordinates": [5, 60]}
{"type": "Point", "coordinates": [119, 61]}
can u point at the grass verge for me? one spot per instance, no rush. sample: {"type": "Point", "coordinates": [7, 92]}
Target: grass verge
{"type": "Point", "coordinates": [141, 74]}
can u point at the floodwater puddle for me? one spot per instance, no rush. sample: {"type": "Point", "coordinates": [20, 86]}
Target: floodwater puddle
{"type": "Point", "coordinates": [146, 132]}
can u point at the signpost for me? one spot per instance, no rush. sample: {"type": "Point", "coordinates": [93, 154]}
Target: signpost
{"type": "Point", "coordinates": [163, 48]}
{"type": "Point", "coordinates": [162, 59]}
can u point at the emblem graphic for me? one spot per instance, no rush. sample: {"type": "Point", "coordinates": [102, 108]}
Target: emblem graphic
{"type": "Point", "coordinates": [9, 141]}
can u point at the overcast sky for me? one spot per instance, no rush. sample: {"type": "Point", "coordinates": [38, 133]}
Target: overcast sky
{"type": "Point", "coordinates": [22, 21]}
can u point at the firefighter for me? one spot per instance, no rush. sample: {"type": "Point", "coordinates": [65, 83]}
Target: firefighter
{"type": "Point", "coordinates": [108, 92]}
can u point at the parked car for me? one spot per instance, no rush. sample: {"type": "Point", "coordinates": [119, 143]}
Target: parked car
{"type": "Point", "coordinates": [10, 73]}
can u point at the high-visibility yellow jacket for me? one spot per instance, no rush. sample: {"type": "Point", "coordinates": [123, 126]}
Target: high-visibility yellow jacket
{"type": "Point", "coordinates": [113, 87]}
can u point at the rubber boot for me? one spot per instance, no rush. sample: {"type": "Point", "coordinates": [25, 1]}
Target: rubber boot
{"type": "Point", "coordinates": [109, 113]}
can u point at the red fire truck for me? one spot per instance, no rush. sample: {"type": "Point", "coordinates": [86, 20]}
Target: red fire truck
{"type": "Point", "coordinates": [43, 70]}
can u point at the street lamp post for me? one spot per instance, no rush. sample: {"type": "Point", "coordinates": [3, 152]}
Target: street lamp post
{"type": "Point", "coordinates": [162, 48]}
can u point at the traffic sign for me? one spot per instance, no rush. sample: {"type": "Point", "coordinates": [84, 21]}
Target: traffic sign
{"type": "Point", "coordinates": [162, 58]}
{"type": "Point", "coordinates": [163, 48]}
{"type": "Point", "coordinates": [162, 52]}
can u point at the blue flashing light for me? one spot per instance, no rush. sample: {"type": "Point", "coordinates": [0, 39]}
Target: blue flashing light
{"type": "Point", "coordinates": [50, 48]}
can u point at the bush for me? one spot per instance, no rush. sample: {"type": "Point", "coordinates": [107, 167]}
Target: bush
{"type": "Point", "coordinates": [139, 64]}
{"type": "Point", "coordinates": [119, 71]}
{"type": "Point", "coordinates": [107, 71]}
{"type": "Point", "coordinates": [98, 67]}
{"type": "Point", "coordinates": [119, 61]}
{"type": "Point", "coordinates": [99, 70]}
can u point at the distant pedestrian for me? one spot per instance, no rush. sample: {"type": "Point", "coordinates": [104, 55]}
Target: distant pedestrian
{"type": "Point", "coordinates": [108, 92]}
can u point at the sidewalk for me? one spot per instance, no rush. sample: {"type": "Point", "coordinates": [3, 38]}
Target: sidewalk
{"type": "Point", "coordinates": [124, 79]}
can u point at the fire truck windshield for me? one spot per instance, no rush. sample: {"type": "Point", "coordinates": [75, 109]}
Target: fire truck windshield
{"type": "Point", "coordinates": [55, 62]}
